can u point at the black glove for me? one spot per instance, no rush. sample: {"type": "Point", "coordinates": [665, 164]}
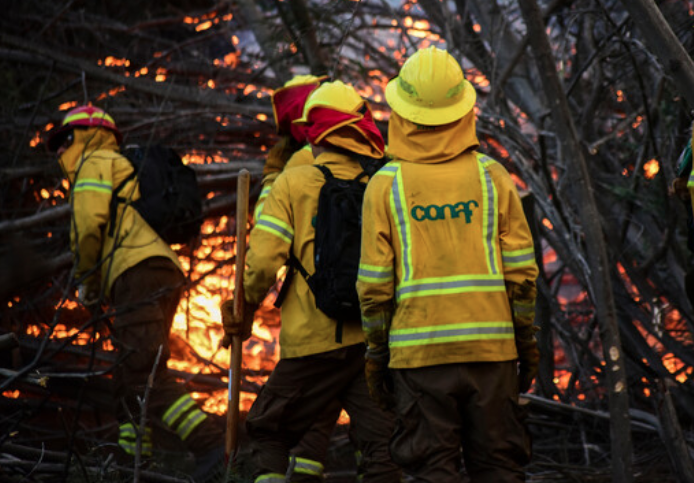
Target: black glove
{"type": "Point", "coordinates": [379, 379]}
{"type": "Point", "coordinates": [234, 326]}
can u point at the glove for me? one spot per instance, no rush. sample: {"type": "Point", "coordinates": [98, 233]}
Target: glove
{"type": "Point", "coordinates": [88, 295]}
{"type": "Point", "coordinates": [679, 188]}
{"type": "Point", "coordinates": [379, 379]}
{"type": "Point", "coordinates": [233, 326]}
{"type": "Point", "coordinates": [522, 299]}
{"type": "Point", "coordinates": [279, 155]}
{"type": "Point", "coordinates": [528, 356]}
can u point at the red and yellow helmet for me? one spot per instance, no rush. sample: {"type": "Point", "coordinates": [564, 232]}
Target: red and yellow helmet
{"type": "Point", "coordinates": [83, 116]}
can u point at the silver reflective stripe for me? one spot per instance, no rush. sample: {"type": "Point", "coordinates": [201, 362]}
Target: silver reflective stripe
{"type": "Point", "coordinates": [401, 220]}
{"type": "Point", "coordinates": [271, 478]}
{"type": "Point", "coordinates": [190, 423]}
{"type": "Point", "coordinates": [451, 333]}
{"type": "Point", "coordinates": [276, 229]}
{"type": "Point", "coordinates": [179, 407]}
{"type": "Point", "coordinates": [371, 323]}
{"type": "Point", "coordinates": [307, 467]}
{"type": "Point", "coordinates": [449, 286]}
{"type": "Point", "coordinates": [519, 259]}
{"type": "Point", "coordinates": [368, 273]}
{"type": "Point", "coordinates": [490, 209]}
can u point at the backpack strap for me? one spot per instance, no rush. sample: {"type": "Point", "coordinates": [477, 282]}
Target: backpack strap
{"type": "Point", "coordinates": [329, 174]}
{"type": "Point", "coordinates": [292, 264]}
{"type": "Point", "coordinates": [115, 199]}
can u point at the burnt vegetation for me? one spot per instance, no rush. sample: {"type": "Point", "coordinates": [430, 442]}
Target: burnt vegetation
{"type": "Point", "coordinates": [197, 76]}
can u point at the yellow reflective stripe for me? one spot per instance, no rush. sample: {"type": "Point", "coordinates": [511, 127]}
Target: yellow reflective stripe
{"type": "Point", "coordinates": [85, 115]}
{"type": "Point", "coordinates": [180, 406]}
{"type": "Point", "coordinates": [489, 212]}
{"type": "Point", "coordinates": [450, 285]}
{"type": "Point", "coordinates": [517, 258]}
{"type": "Point", "coordinates": [276, 227]}
{"type": "Point", "coordinates": [375, 322]}
{"type": "Point", "coordinates": [270, 478]}
{"type": "Point", "coordinates": [127, 430]}
{"type": "Point", "coordinates": [523, 308]}
{"type": "Point", "coordinates": [462, 332]}
{"type": "Point", "coordinates": [306, 466]}
{"type": "Point", "coordinates": [374, 274]}
{"type": "Point", "coordinates": [191, 422]}
{"type": "Point", "coordinates": [130, 447]}
{"type": "Point", "coordinates": [389, 170]}
{"type": "Point", "coordinates": [402, 225]}
{"type": "Point", "coordinates": [88, 184]}
{"type": "Point", "coordinates": [261, 201]}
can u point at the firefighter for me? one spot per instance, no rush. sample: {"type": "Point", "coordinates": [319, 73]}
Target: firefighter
{"type": "Point", "coordinates": [314, 369]}
{"type": "Point", "coordinates": [447, 285]}
{"type": "Point", "coordinates": [307, 459]}
{"type": "Point", "coordinates": [139, 275]}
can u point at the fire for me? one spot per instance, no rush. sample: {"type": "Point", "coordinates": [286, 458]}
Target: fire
{"type": "Point", "coordinates": [11, 394]}
{"type": "Point", "coordinates": [203, 26]}
{"type": "Point", "coordinates": [651, 168]}
{"type": "Point", "coordinates": [67, 105]}
{"type": "Point", "coordinates": [35, 140]}
{"type": "Point", "coordinates": [197, 332]}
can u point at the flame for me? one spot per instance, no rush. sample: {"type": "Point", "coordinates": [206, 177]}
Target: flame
{"type": "Point", "coordinates": [35, 140]}
{"type": "Point", "coordinates": [67, 105]}
{"type": "Point", "coordinates": [651, 168]}
{"type": "Point", "coordinates": [111, 61]}
{"type": "Point", "coordinates": [11, 394]}
{"type": "Point", "coordinates": [203, 26]}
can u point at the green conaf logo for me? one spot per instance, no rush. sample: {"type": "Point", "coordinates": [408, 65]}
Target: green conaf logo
{"type": "Point", "coordinates": [436, 212]}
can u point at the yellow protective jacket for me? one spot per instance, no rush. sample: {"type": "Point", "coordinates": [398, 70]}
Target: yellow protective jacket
{"type": "Point", "coordinates": [302, 157]}
{"type": "Point", "coordinates": [442, 233]}
{"type": "Point", "coordinates": [95, 168]}
{"type": "Point", "coordinates": [286, 223]}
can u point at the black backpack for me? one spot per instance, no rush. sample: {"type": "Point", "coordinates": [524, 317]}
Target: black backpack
{"type": "Point", "coordinates": [170, 200]}
{"type": "Point", "coordinates": [337, 249]}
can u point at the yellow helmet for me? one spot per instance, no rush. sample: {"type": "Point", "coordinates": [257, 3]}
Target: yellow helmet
{"type": "Point", "coordinates": [431, 89]}
{"type": "Point", "coordinates": [300, 80]}
{"type": "Point", "coordinates": [333, 95]}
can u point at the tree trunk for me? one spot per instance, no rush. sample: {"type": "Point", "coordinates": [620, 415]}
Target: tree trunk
{"type": "Point", "coordinates": [620, 428]}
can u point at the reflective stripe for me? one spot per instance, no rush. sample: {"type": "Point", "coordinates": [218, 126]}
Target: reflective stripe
{"type": "Point", "coordinates": [402, 224]}
{"type": "Point", "coordinates": [690, 183]}
{"type": "Point", "coordinates": [191, 422]}
{"type": "Point", "coordinates": [517, 258]}
{"type": "Point", "coordinates": [93, 185]}
{"type": "Point", "coordinates": [468, 331]}
{"type": "Point", "coordinates": [275, 226]}
{"type": "Point", "coordinates": [374, 274]}
{"type": "Point", "coordinates": [521, 308]}
{"type": "Point", "coordinates": [489, 207]}
{"type": "Point", "coordinates": [177, 409]}
{"type": "Point", "coordinates": [372, 323]}
{"type": "Point", "coordinates": [306, 466]}
{"type": "Point", "coordinates": [451, 285]}
{"type": "Point", "coordinates": [130, 447]}
{"type": "Point", "coordinates": [389, 170]}
{"type": "Point", "coordinates": [270, 478]}
{"type": "Point", "coordinates": [261, 201]}
{"type": "Point", "coordinates": [127, 430]}
{"type": "Point", "coordinates": [127, 439]}
{"type": "Point", "coordinates": [86, 115]}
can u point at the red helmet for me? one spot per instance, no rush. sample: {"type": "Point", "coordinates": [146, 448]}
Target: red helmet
{"type": "Point", "coordinates": [83, 116]}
